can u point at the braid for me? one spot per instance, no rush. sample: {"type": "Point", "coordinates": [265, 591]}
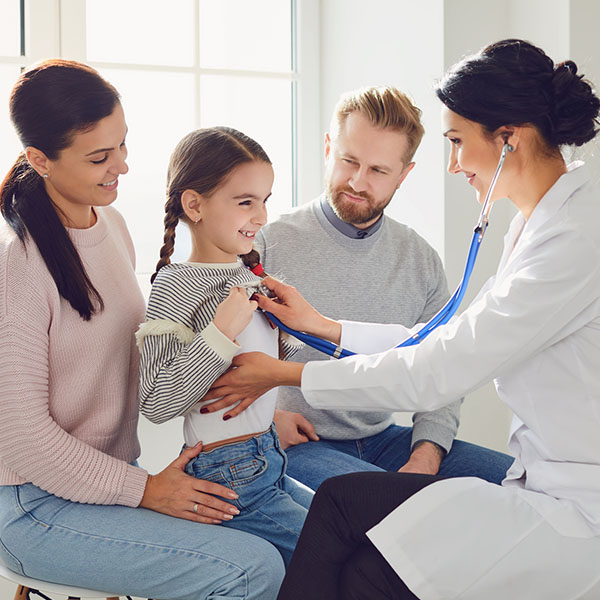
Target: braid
{"type": "Point", "coordinates": [171, 221]}
{"type": "Point", "coordinates": [252, 260]}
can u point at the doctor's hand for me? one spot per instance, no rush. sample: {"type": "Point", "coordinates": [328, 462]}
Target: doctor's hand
{"type": "Point", "coordinates": [426, 458]}
{"type": "Point", "coordinates": [251, 375]}
{"type": "Point", "coordinates": [173, 492]}
{"type": "Point", "coordinates": [293, 310]}
{"type": "Point", "coordinates": [293, 428]}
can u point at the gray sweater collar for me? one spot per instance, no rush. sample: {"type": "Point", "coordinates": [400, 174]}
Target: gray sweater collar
{"type": "Point", "coordinates": [346, 228]}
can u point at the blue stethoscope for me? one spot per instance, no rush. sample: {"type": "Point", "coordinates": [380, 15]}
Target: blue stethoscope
{"type": "Point", "coordinates": [446, 312]}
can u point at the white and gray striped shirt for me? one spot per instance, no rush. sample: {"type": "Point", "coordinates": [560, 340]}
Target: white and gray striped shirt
{"type": "Point", "coordinates": [182, 352]}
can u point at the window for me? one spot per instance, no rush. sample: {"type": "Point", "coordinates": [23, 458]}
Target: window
{"type": "Point", "coordinates": [179, 66]}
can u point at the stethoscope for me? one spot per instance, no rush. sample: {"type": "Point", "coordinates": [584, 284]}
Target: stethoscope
{"type": "Point", "coordinates": [447, 311]}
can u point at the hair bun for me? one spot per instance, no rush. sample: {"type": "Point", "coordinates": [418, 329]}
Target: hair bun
{"type": "Point", "coordinates": [574, 117]}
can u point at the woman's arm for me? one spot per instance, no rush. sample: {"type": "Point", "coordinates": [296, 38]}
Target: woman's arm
{"type": "Point", "coordinates": [252, 375]}
{"type": "Point", "coordinates": [549, 292]}
{"type": "Point", "coordinates": [293, 310]}
{"type": "Point", "coordinates": [32, 444]}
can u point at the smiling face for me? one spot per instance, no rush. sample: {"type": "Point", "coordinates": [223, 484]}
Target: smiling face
{"type": "Point", "coordinates": [365, 166]}
{"type": "Point", "coordinates": [475, 154]}
{"type": "Point", "coordinates": [227, 221]}
{"type": "Point", "coordinates": [85, 174]}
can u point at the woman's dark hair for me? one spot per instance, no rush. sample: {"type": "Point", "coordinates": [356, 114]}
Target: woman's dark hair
{"type": "Point", "coordinates": [49, 104]}
{"type": "Point", "coordinates": [201, 162]}
{"type": "Point", "coordinates": [513, 82]}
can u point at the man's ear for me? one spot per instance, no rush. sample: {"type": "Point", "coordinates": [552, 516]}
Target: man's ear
{"type": "Point", "coordinates": [409, 167]}
{"type": "Point", "coordinates": [38, 160]}
{"type": "Point", "coordinates": [327, 146]}
{"type": "Point", "coordinates": [191, 202]}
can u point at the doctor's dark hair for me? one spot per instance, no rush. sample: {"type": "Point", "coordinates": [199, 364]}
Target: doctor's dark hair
{"type": "Point", "coordinates": [49, 104]}
{"type": "Point", "coordinates": [513, 82]}
{"type": "Point", "coordinates": [201, 161]}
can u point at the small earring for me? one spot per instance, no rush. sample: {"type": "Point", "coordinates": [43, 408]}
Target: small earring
{"type": "Point", "coordinates": [45, 175]}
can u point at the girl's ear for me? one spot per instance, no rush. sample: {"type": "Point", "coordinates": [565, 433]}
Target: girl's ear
{"type": "Point", "coordinates": [191, 202]}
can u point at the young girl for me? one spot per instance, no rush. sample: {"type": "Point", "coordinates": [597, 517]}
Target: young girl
{"type": "Point", "coordinates": [199, 316]}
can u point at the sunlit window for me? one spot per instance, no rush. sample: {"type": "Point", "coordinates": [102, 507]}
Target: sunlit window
{"type": "Point", "coordinates": [11, 37]}
{"type": "Point", "coordinates": [178, 66]}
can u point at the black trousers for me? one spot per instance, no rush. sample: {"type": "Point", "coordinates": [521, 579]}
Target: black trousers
{"type": "Point", "coordinates": [334, 559]}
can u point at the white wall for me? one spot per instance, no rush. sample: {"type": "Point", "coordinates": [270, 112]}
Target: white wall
{"type": "Point", "coordinates": [391, 42]}
{"type": "Point", "coordinates": [410, 44]}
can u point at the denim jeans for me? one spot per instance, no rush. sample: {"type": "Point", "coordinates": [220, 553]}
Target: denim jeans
{"type": "Point", "coordinates": [271, 505]}
{"type": "Point", "coordinates": [313, 462]}
{"type": "Point", "coordinates": [123, 550]}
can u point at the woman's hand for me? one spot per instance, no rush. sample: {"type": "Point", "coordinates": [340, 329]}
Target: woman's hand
{"type": "Point", "coordinates": [234, 313]}
{"type": "Point", "coordinates": [174, 492]}
{"type": "Point", "coordinates": [251, 375]}
{"type": "Point", "coordinates": [293, 310]}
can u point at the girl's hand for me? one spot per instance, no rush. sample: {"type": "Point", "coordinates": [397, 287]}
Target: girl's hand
{"type": "Point", "coordinates": [173, 492]}
{"type": "Point", "coordinates": [293, 310]}
{"type": "Point", "coordinates": [251, 375]}
{"type": "Point", "coordinates": [234, 313]}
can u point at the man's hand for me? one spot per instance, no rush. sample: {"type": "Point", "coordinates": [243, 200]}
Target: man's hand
{"type": "Point", "coordinates": [293, 429]}
{"type": "Point", "coordinates": [426, 458]}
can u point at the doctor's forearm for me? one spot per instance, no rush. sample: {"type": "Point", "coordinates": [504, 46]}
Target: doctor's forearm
{"type": "Point", "coordinates": [288, 373]}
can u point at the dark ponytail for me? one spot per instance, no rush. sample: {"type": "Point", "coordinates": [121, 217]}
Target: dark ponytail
{"type": "Point", "coordinates": [201, 161]}
{"type": "Point", "coordinates": [513, 82]}
{"type": "Point", "coordinates": [49, 104]}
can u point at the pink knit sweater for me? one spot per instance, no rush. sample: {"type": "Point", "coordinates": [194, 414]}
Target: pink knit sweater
{"type": "Point", "coordinates": [68, 387]}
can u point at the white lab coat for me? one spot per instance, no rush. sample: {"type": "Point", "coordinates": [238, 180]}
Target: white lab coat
{"type": "Point", "coordinates": [535, 329]}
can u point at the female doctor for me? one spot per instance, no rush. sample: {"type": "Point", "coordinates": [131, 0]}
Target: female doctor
{"type": "Point", "coordinates": [534, 328]}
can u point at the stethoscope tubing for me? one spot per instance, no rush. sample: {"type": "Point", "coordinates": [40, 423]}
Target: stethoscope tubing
{"type": "Point", "coordinates": [445, 313]}
{"type": "Point", "coordinates": [440, 318]}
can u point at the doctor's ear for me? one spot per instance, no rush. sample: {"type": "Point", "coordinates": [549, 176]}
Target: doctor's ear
{"type": "Point", "coordinates": [510, 136]}
{"type": "Point", "coordinates": [191, 202]}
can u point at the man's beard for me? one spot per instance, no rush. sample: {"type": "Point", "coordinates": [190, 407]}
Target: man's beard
{"type": "Point", "coordinates": [350, 212]}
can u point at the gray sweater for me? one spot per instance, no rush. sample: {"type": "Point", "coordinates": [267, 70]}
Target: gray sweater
{"type": "Point", "coordinates": [391, 276]}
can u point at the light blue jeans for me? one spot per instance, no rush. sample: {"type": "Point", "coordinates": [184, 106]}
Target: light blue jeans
{"type": "Point", "coordinates": [313, 462]}
{"type": "Point", "coordinates": [134, 551]}
{"type": "Point", "coordinates": [271, 505]}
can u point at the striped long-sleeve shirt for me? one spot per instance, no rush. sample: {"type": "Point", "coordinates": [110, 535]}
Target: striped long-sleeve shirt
{"type": "Point", "coordinates": [182, 352]}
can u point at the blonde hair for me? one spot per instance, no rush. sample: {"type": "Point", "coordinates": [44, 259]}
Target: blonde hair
{"type": "Point", "coordinates": [385, 107]}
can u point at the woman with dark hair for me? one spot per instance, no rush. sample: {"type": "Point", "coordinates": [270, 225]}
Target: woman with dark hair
{"type": "Point", "coordinates": [534, 328]}
{"type": "Point", "coordinates": [75, 508]}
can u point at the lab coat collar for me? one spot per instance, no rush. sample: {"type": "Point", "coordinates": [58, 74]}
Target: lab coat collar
{"type": "Point", "coordinates": [521, 230]}
{"type": "Point", "coordinates": [554, 199]}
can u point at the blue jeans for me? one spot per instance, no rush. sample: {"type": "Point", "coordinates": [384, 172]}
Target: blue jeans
{"type": "Point", "coordinates": [313, 462]}
{"type": "Point", "coordinates": [271, 505]}
{"type": "Point", "coordinates": [123, 550]}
